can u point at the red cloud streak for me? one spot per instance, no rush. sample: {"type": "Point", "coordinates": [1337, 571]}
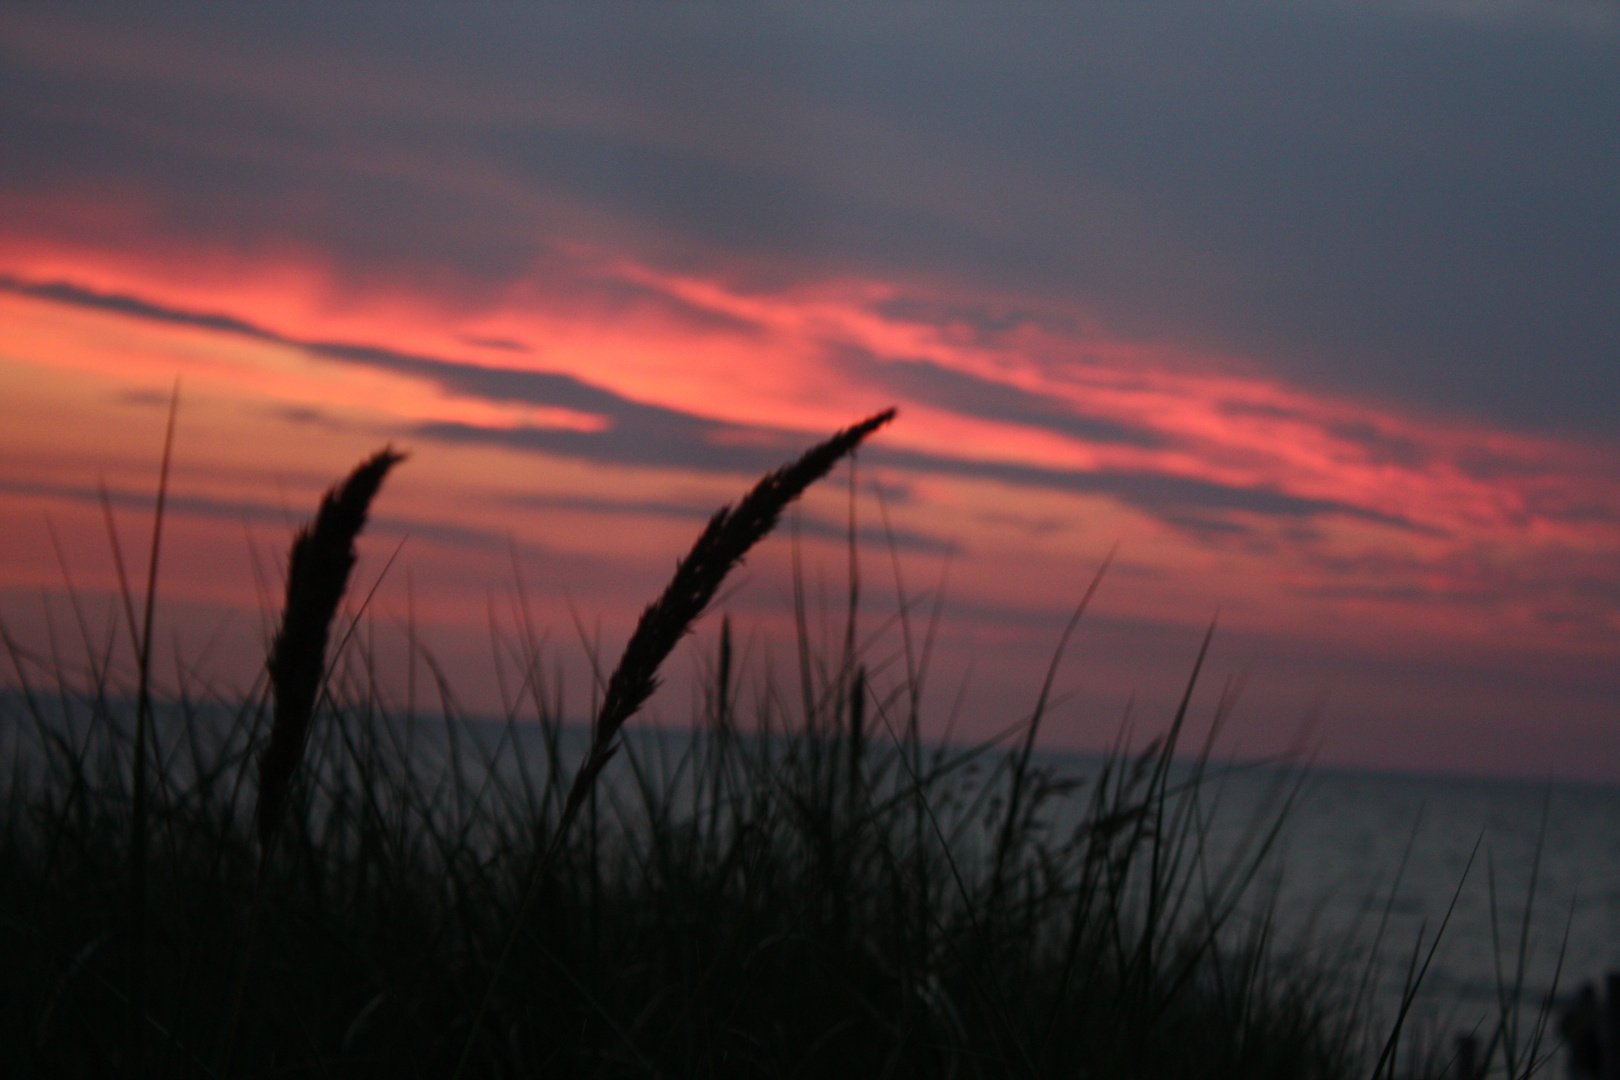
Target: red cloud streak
{"type": "Point", "coordinates": [1336, 535]}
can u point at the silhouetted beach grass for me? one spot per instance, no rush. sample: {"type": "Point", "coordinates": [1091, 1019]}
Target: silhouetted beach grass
{"type": "Point", "coordinates": [802, 887]}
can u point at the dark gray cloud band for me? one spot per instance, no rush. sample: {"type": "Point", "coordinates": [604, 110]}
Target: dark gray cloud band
{"type": "Point", "coordinates": [640, 434]}
{"type": "Point", "coordinates": [1408, 201]}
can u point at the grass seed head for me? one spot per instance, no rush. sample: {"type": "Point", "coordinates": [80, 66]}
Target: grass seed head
{"type": "Point", "coordinates": [720, 547]}
{"type": "Point", "coordinates": [323, 555]}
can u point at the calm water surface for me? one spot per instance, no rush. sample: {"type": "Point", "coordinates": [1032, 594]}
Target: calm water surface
{"type": "Point", "coordinates": [1358, 848]}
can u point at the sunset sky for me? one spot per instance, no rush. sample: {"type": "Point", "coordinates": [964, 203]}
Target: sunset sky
{"type": "Point", "coordinates": [1313, 308]}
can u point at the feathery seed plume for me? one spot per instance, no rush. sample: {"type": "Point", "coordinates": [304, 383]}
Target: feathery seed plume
{"type": "Point", "coordinates": [721, 546]}
{"type": "Point", "coordinates": [323, 554]}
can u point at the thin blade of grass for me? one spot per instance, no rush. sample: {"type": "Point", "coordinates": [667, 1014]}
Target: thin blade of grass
{"type": "Point", "coordinates": [136, 1029]}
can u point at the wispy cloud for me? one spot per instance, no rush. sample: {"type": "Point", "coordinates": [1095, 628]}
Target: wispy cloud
{"type": "Point", "coordinates": [1163, 443]}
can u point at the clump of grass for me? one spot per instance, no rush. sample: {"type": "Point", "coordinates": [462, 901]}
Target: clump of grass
{"type": "Point", "coordinates": [791, 889]}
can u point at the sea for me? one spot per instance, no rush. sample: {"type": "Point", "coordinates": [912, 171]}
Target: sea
{"type": "Point", "coordinates": [1497, 891]}
{"type": "Point", "coordinates": [1449, 901]}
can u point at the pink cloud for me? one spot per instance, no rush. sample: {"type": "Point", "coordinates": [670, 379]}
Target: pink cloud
{"type": "Point", "coordinates": [1354, 524]}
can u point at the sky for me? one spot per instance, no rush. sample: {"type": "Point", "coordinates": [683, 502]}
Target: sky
{"type": "Point", "coordinates": [1307, 309]}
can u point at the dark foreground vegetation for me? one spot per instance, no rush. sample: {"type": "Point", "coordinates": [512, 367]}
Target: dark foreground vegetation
{"type": "Point", "coordinates": [803, 888]}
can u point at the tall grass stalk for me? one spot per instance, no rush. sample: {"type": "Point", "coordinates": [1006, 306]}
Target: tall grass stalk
{"type": "Point", "coordinates": [731, 532]}
{"type": "Point", "coordinates": [318, 568]}
{"type": "Point", "coordinates": [141, 642]}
